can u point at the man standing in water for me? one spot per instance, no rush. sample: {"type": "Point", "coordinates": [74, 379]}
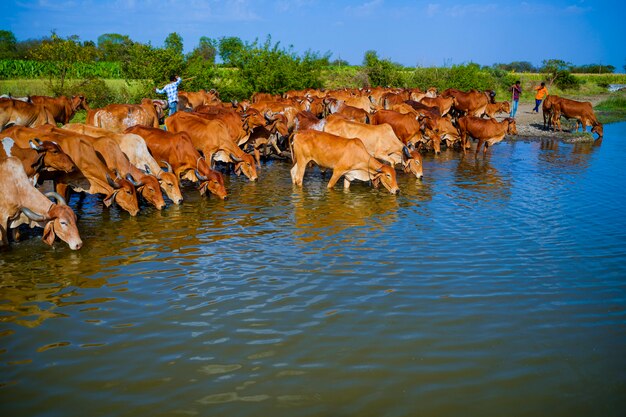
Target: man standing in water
{"type": "Point", "coordinates": [542, 92]}
{"type": "Point", "coordinates": [171, 90]}
{"type": "Point", "coordinates": [517, 90]}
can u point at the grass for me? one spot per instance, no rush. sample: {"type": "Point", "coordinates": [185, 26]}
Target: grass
{"type": "Point", "coordinates": [612, 109]}
{"type": "Point", "coordinates": [24, 87]}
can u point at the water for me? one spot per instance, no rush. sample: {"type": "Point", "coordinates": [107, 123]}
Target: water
{"type": "Point", "coordinates": [493, 287]}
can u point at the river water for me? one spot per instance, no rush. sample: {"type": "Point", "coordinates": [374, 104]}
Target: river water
{"type": "Point", "coordinates": [495, 286]}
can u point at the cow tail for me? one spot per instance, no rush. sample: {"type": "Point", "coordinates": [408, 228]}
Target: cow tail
{"type": "Point", "coordinates": [290, 140]}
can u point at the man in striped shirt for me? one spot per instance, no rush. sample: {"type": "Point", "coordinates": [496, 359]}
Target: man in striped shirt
{"type": "Point", "coordinates": [171, 90]}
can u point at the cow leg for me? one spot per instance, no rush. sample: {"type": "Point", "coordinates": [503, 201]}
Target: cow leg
{"type": "Point", "coordinates": [297, 172]}
{"type": "Point", "coordinates": [4, 241]}
{"type": "Point", "coordinates": [335, 177]}
{"type": "Point", "coordinates": [63, 190]}
{"type": "Point", "coordinates": [480, 143]}
{"type": "Point", "coordinates": [257, 156]}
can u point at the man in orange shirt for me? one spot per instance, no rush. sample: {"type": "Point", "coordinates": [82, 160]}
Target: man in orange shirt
{"type": "Point", "coordinates": [542, 92]}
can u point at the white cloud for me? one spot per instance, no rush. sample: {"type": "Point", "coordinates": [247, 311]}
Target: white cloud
{"type": "Point", "coordinates": [461, 10]}
{"type": "Point", "coordinates": [365, 9]}
{"type": "Point", "coordinates": [575, 9]}
{"type": "Point", "coordinates": [432, 9]}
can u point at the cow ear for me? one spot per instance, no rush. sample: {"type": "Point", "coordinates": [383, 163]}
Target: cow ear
{"type": "Point", "coordinates": [48, 233]}
{"type": "Point", "coordinates": [109, 200]}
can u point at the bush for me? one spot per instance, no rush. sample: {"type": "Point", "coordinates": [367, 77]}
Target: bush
{"type": "Point", "coordinates": [566, 81]}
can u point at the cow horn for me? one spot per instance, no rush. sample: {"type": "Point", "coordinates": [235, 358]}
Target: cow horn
{"type": "Point", "coordinates": [35, 146]}
{"type": "Point", "coordinates": [406, 152]}
{"type": "Point", "coordinates": [60, 200]}
{"type": "Point", "coordinates": [200, 176]}
{"type": "Point", "coordinates": [111, 182]}
{"type": "Point", "coordinates": [234, 158]}
{"type": "Point", "coordinates": [32, 215]}
{"type": "Point", "coordinates": [167, 164]}
{"type": "Point", "coordinates": [132, 180]}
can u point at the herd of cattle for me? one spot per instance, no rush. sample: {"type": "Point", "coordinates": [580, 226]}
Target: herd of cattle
{"type": "Point", "coordinates": [121, 152]}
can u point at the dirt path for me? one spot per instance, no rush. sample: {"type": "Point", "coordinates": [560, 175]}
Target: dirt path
{"type": "Point", "coordinates": [530, 125]}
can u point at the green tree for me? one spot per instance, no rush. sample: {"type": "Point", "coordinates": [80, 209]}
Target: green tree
{"type": "Point", "coordinates": [156, 64]}
{"type": "Point", "coordinates": [271, 69]}
{"type": "Point", "coordinates": [517, 66]}
{"type": "Point", "coordinates": [61, 54]}
{"type": "Point", "coordinates": [230, 49]}
{"type": "Point", "coordinates": [114, 47]}
{"type": "Point", "coordinates": [174, 43]}
{"type": "Point", "coordinates": [381, 73]}
{"type": "Point", "coordinates": [8, 45]}
{"type": "Point", "coordinates": [206, 50]}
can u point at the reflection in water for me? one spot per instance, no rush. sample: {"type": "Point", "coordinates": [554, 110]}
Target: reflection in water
{"type": "Point", "coordinates": [480, 176]}
{"type": "Point", "coordinates": [571, 156]}
{"type": "Point", "coordinates": [320, 213]}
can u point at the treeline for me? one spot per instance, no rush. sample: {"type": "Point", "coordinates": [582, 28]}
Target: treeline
{"type": "Point", "coordinates": [525, 66]}
{"type": "Point", "coordinates": [72, 67]}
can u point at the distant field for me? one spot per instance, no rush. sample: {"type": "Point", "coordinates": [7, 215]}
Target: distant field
{"type": "Point", "coordinates": [23, 87]}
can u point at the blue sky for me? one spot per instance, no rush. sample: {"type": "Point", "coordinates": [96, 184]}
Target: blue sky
{"type": "Point", "coordinates": [431, 32]}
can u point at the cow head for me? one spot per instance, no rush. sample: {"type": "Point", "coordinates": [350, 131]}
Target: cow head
{"type": "Point", "coordinates": [210, 180]}
{"type": "Point", "coordinates": [123, 194]}
{"type": "Point", "coordinates": [245, 165]}
{"type": "Point", "coordinates": [169, 183]}
{"type": "Point", "coordinates": [53, 157]}
{"type": "Point", "coordinates": [62, 224]}
{"type": "Point", "coordinates": [387, 176]}
{"type": "Point", "coordinates": [412, 162]}
{"type": "Point", "coordinates": [150, 190]}
{"type": "Point", "coordinates": [597, 128]}
{"type": "Point", "coordinates": [79, 102]}
{"type": "Point", "coordinates": [512, 128]}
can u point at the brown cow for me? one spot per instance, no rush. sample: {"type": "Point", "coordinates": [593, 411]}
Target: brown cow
{"type": "Point", "coordinates": [444, 104]}
{"type": "Point", "coordinates": [405, 126]}
{"type": "Point", "coordinates": [239, 125]}
{"type": "Point", "coordinates": [118, 117]}
{"type": "Point", "coordinates": [487, 131]}
{"type": "Point", "coordinates": [212, 138]}
{"type": "Point", "coordinates": [346, 157]}
{"type": "Point", "coordinates": [472, 103]}
{"type": "Point", "coordinates": [38, 157]}
{"type": "Point", "coordinates": [307, 120]}
{"type": "Point", "coordinates": [581, 111]}
{"type": "Point", "coordinates": [20, 113]}
{"type": "Point", "coordinates": [191, 100]}
{"type": "Point", "coordinates": [17, 195]}
{"type": "Point", "coordinates": [442, 128]}
{"type": "Point", "coordinates": [61, 108]}
{"type": "Point", "coordinates": [546, 108]}
{"type": "Point", "coordinates": [379, 140]}
{"type": "Point", "coordinates": [177, 151]}
{"type": "Point", "coordinates": [267, 137]}
{"type": "Point", "coordinates": [498, 107]}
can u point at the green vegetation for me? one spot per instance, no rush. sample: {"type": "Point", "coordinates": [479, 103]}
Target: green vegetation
{"type": "Point", "coordinates": [117, 69]}
{"type": "Point", "coordinates": [613, 108]}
